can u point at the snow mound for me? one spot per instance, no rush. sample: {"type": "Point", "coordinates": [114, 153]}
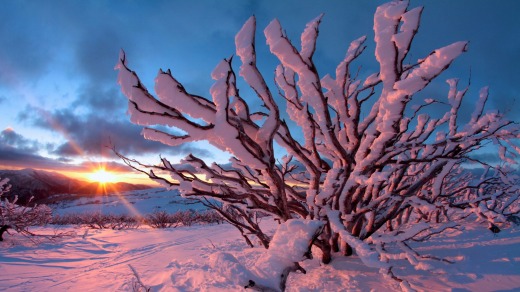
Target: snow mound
{"type": "Point", "coordinates": [289, 245]}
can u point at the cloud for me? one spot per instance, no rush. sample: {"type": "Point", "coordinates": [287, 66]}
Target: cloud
{"type": "Point", "coordinates": [12, 139]}
{"type": "Point", "coordinates": [93, 134]}
{"type": "Point", "coordinates": [11, 157]}
{"type": "Point", "coordinates": [20, 158]}
{"type": "Point", "coordinates": [17, 151]}
{"type": "Point", "coordinates": [486, 157]}
{"type": "Point", "coordinates": [99, 100]}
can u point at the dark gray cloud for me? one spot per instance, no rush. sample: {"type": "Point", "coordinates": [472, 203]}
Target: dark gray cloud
{"type": "Point", "coordinates": [11, 157]}
{"type": "Point", "coordinates": [20, 158]}
{"type": "Point", "coordinates": [9, 138]}
{"type": "Point", "coordinates": [20, 152]}
{"type": "Point", "coordinates": [64, 159]}
{"type": "Point", "coordinates": [93, 135]}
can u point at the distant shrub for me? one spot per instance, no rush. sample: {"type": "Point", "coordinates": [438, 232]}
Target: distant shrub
{"type": "Point", "coordinates": [210, 217]}
{"type": "Point", "coordinates": [97, 220]}
{"type": "Point", "coordinates": [17, 217]}
{"type": "Point", "coordinates": [67, 219]}
{"type": "Point", "coordinates": [157, 219]}
{"type": "Point", "coordinates": [161, 219]}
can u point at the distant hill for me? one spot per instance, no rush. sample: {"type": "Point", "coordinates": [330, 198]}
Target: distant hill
{"type": "Point", "coordinates": [41, 184]}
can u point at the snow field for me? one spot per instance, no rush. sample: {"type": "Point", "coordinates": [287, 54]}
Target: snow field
{"type": "Point", "coordinates": [179, 259]}
{"type": "Point", "coordinates": [132, 202]}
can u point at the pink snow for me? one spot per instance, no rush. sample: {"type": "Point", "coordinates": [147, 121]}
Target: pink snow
{"type": "Point", "coordinates": [179, 260]}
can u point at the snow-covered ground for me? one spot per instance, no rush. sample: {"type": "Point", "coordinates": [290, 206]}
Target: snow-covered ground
{"type": "Point", "coordinates": [131, 202]}
{"type": "Point", "coordinates": [179, 260]}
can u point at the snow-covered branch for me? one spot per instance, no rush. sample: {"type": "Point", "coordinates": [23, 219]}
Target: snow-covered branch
{"type": "Point", "coordinates": [362, 170]}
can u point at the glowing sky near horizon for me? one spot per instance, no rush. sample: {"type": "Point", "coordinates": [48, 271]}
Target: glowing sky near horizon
{"type": "Point", "coordinates": [60, 104]}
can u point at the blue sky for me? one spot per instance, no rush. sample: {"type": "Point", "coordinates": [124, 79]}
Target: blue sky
{"type": "Point", "coordinates": [59, 99]}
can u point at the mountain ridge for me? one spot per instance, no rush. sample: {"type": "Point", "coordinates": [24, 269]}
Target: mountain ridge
{"type": "Point", "coordinates": [42, 185]}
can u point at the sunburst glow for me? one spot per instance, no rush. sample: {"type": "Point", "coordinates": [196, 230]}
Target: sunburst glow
{"type": "Point", "coordinates": [102, 176]}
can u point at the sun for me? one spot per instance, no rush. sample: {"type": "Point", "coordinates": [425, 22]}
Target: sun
{"type": "Point", "coordinates": [102, 176]}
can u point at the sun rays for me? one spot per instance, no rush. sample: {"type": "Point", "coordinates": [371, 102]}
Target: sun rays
{"type": "Point", "coordinates": [107, 184]}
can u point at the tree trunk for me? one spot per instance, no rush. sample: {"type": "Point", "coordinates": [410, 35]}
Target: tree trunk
{"type": "Point", "coordinates": [335, 242]}
{"type": "Point", "coordinates": [2, 230]}
{"type": "Point", "coordinates": [324, 245]}
{"type": "Point", "coordinates": [347, 249]}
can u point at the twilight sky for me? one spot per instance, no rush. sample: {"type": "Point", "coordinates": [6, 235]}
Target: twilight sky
{"type": "Point", "coordinates": [60, 104]}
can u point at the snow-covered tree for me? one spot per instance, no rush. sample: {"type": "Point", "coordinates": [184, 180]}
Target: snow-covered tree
{"type": "Point", "coordinates": [20, 218]}
{"type": "Point", "coordinates": [370, 160]}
